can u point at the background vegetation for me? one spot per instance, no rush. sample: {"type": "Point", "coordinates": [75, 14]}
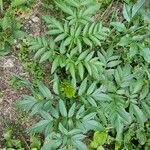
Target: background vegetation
{"type": "Point", "coordinates": [89, 85]}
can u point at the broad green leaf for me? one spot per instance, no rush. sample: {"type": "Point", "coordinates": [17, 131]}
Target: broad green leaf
{"type": "Point", "coordinates": [55, 64]}
{"type": "Point", "coordinates": [146, 109]}
{"type": "Point", "coordinates": [44, 90]}
{"type": "Point", "coordinates": [65, 8]}
{"type": "Point", "coordinates": [78, 31]}
{"type": "Point", "coordinates": [67, 41]}
{"type": "Point", "coordinates": [146, 54]}
{"type": "Point", "coordinates": [91, 101]}
{"type": "Point", "coordinates": [85, 30]}
{"type": "Point", "coordinates": [137, 6]}
{"type": "Point", "coordinates": [62, 129]}
{"type": "Point", "coordinates": [74, 132]}
{"type": "Point", "coordinates": [54, 112]}
{"type": "Point", "coordinates": [62, 108]}
{"type": "Point", "coordinates": [87, 41]}
{"type": "Point", "coordinates": [89, 116]}
{"type": "Point", "coordinates": [88, 67]}
{"type": "Point", "coordinates": [145, 91]}
{"type": "Point", "coordinates": [83, 55]}
{"type": "Point", "coordinates": [125, 40]}
{"type": "Point", "coordinates": [81, 70]}
{"type": "Point", "coordinates": [38, 127]}
{"type": "Point", "coordinates": [39, 53]}
{"type": "Point", "coordinates": [90, 30]}
{"type": "Point", "coordinates": [78, 137]}
{"type": "Point", "coordinates": [95, 40]}
{"type": "Point", "coordinates": [80, 112]}
{"type": "Point", "coordinates": [27, 103]}
{"type": "Point", "coordinates": [54, 32]}
{"type": "Point", "coordinates": [133, 49]}
{"type": "Point", "coordinates": [60, 37]}
{"type": "Point", "coordinates": [113, 63]}
{"type": "Point", "coordinates": [72, 110]}
{"type": "Point", "coordinates": [91, 88]}
{"type": "Point", "coordinates": [89, 56]}
{"type": "Point", "coordinates": [53, 22]}
{"type": "Point", "coordinates": [126, 12]}
{"type": "Point", "coordinates": [91, 9]}
{"type": "Point", "coordinates": [5, 23]}
{"type": "Point", "coordinates": [141, 135]}
{"type": "Point", "coordinates": [119, 26]}
{"type": "Point", "coordinates": [101, 97]}
{"type": "Point", "coordinates": [45, 56]}
{"type": "Point", "coordinates": [72, 70]}
{"type": "Point", "coordinates": [125, 115]}
{"type": "Point", "coordinates": [139, 114]}
{"type": "Point", "coordinates": [93, 125]}
{"type": "Point", "coordinates": [46, 115]}
{"type": "Point", "coordinates": [137, 86]}
{"type": "Point", "coordinates": [51, 144]}
{"type": "Point", "coordinates": [79, 44]}
{"type": "Point", "coordinates": [82, 87]}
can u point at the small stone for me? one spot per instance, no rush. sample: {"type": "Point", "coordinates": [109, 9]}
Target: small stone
{"type": "Point", "coordinates": [1, 100]}
{"type": "Point", "coordinates": [30, 22]}
{"type": "Point", "coordinates": [35, 19]}
{"type": "Point", "coordinates": [8, 64]}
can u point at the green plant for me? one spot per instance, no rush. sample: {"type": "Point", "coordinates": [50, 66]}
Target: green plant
{"type": "Point", "coordinates": [99, 139]}
{"type": "Point", "coordinates": [10, 25]}
{"type": "Point", "coordinates": [100, 77]}
{"type": "Point", "coordinates": [35, 142]}
{"type": "Point", "coordinates": [66, 127]}
{"type": "Point", "coordinates": [15, 82]}
{"type": "Point", "coordinates": [138, 134]}
{"type": "Point", "coordinates": [10, 141]}
{"type": "Point", "coordinates": [37, 71]}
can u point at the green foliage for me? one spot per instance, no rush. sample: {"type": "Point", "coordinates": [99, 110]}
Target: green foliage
{"type": "Point", "coordinates": [71, 36]}
{"type": "Point", "coordinates": [15, 143]}
{"type": "Point", "coordinates": [10, 27]}
{"type": "Point", "coordinates": [35, 142]}
{"type": "Point", "coordinates": [100, 78]}
{"type": "Point", "coordinates": [10, 142]}
{"type": "Point", "coordinates": [139, 134]}
{"type": "Point", "coordinates": [68, 90]}
{"type": "Point", "coordinates": [37, 71]}
{"type": "Point", "coordinates": [99, 139]}
{"type": "Point", "coordinates": [15, 82]}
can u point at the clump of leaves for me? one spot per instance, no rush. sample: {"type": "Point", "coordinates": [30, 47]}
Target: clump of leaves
{"type": "Point", "coordinates": [35, 142]}
{"type": "Point", "coordinates": [10, 141]}
{"type": "Point", "coordinates": [108, 68]}
{"type": "Point", "coordinates": [67, 88]}
{"type": "Point", "coordinates": [16, 83]}
{"type": "Point", "coordinates": [99, 139]}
